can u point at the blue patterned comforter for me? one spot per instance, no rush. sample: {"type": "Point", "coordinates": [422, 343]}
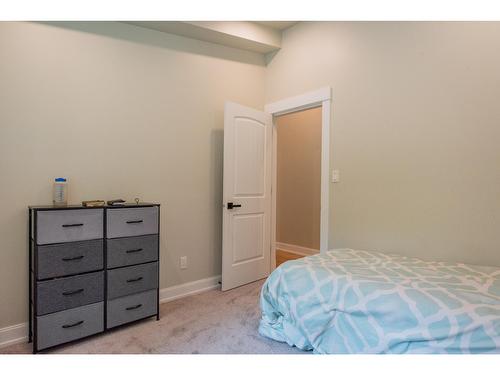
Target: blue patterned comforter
{"type": "Point", "coordinates": [349, 301]}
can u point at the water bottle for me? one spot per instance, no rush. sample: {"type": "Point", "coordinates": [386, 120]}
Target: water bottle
{"type": "Point", "coordinates": [60, 197]}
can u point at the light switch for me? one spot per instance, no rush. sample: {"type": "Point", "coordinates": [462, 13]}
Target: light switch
{"type": "Point", "coordinates": [335, 176]}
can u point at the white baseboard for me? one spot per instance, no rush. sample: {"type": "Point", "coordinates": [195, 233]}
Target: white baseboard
{"type": "Point", "coordinates": [13, 334]}
{"type": "Point", "coordinates": [301, 250]}
{"type": "Point", "coordinates": [187, 289]}
{"type": "Point", "coordinates": [19, 332]}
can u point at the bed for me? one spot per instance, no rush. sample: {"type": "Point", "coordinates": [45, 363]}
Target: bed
{"type": "Point", "coordinates": [351, 301]}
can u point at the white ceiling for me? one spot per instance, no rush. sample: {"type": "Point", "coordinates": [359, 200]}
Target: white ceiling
{"type": "Point", "coordinates": [262, 36]}
{"type": "Point", "coordinates": [278, 25]}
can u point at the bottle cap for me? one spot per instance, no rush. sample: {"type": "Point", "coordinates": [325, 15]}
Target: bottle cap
{"type": "Point", "coordinates": [60, 179]}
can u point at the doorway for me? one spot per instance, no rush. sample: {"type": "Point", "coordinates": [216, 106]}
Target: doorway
{"type": "Point", "coordinates": [320, 98]}
{"type": "Point", "coordinates": [249, 185]}
{"type": "Point", "coordinates": [298, 184]}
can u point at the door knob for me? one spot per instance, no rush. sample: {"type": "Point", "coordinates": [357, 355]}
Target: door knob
{"type": "Point", "coordinates": [231, 205]}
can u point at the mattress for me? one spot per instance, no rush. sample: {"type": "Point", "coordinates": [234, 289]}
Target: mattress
{"type": "Point", "coordinates": [351, 301]}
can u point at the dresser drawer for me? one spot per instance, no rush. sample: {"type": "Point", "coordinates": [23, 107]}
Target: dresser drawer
{"type": "Point", "coordinates": [69, 258]}
{"type": "Point", "coordinates": [69, 225]}
{"type": "Point", "coordinates": [127, 222]}
{"type": "Point", "coordinates": [69, 292]}
{"type": "Point", "coordinates": [132, 250]}
{"type": "Point", "coordinates": [69, 325]}
{"type": "Point", "coordinates": [127, 309]}
{"type": "Point", "coordinates": [133, 279]}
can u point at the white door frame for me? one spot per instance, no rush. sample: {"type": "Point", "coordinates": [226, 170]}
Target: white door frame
{"type": "Point", "coordinates": [318, 98]}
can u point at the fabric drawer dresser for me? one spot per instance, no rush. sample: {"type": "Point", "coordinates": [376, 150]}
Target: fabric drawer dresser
{"type": "Point", "coordinates": [91, 269]}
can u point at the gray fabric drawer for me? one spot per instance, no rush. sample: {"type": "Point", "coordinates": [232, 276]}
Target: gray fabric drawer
{"type": "Point", "coordinates": [69, 325]}
{"type": "Point", "coordinates": [127, 309]}
{"type": "Point", "coordinates": [69, 225]}
{"type": "Point", "coordinates": [69, 258]}
{"type": "Point", "coordinates": [132, 250]}
{"type": "Point", "coordinates": [127, 222]}
{"type": "Point", "coordinates": [69, 292]}
{"type": "Point", "coordinates": [133, 279]}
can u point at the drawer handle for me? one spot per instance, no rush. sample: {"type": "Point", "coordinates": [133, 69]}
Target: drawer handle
{"type": "Point", "coordinates": [133, 251]}
{"type": "Point", "coordinates": [74, 258]}
{"type": "Point", "coordinates": [72, 225]}
{"type": "Point", "coordinates": [134, 221]}
{"type": "Point", "coordinates": [134, 280]}
{"type": "Point", "coordinates": [73, 325]}
{"type": "Point", "coordinates": [134, 307]}
{"type": "Point", "coordinates": [73, 292]}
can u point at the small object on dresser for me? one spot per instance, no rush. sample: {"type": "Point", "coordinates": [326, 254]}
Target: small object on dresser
{"type": "Point", "coordinates": [116, 202]}
{"type": "Point", "coordinates": [94, 203]}
{"type": "Point", "coordinates": [60, 193]}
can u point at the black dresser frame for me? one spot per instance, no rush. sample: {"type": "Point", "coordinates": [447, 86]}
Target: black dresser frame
{"type": "Point", "coordinates": [33, 271]}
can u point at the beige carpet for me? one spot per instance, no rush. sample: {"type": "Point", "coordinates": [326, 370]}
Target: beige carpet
{"type": "Point", "coordinates": [213, 322]}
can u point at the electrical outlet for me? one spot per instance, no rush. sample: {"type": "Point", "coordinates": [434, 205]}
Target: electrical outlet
{"type": "Point", "coordinates": [184, 263]}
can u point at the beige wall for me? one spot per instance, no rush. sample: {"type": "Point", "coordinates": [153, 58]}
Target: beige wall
{"type": "Point", "coordinates": [299, 178]}
{"type": "Point", "coordinates": [122, 112]}
{"type": "Point", "coordinates": [415, 132]}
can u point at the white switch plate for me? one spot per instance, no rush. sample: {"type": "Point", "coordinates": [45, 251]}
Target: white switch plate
{"type": "Point", "coordinates": [184, 263]}
{"type": "Point", "coordinates": [335, 175]}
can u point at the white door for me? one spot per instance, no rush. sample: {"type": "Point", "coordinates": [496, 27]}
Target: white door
{"type": "Point", "coordinates": [246, 217]}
